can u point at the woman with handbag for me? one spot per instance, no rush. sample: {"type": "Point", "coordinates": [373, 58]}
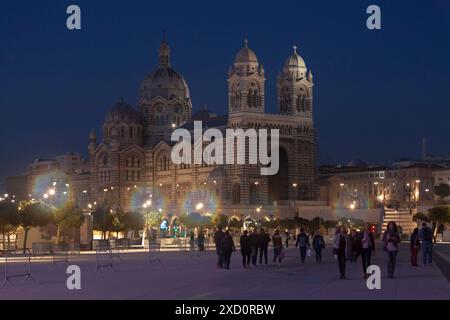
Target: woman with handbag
{"type": "Point", "coordinates": [391, 239]}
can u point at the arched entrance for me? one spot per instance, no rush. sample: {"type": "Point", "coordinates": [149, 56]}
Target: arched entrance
{"type": "Point", "coordinates": [279, 183]}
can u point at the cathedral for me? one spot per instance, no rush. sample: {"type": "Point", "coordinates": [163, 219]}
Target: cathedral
{"type": "Point", "coordinates": [130, 165]}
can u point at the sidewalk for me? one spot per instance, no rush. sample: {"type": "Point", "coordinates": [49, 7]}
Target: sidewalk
{"type": "Point", "coordinates": [185, 275]}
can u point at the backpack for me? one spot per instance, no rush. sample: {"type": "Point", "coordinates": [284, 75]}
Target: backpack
{"type": "Point", "coordinates": [427, 236]}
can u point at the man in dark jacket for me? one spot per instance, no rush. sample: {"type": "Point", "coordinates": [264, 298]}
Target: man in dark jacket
{"type": "Point", "coordinates": [254, 245]}
{"type": "Point", "coordinates": [302, 243]}
{"type": "Point", "coordinates": [426, 235]}
{"type": "Point", "coordinates": [263, 244]}
{"type": "Point", "coordinates": [227, 248]}
{"type": "Point", "coordinates": [245, 249]}
{"type": "Point", "coordinates": [218, 236]}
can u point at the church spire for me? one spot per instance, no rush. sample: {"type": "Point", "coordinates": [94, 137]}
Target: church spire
{"type": "Point", "coordinates": [164, 51]}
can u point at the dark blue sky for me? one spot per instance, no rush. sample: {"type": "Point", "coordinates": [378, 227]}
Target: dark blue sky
{"type": "Point", "coordinates": [377, 93]}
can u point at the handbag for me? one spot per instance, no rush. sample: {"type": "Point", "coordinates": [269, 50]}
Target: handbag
{"type": "Point", "coordinates": [309, 252]}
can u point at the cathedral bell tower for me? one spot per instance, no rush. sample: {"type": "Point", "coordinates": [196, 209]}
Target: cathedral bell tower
{"type": "Point", "coordinates": [246, 83]}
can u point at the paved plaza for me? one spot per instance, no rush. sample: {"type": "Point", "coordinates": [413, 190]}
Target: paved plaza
{"type": "Point", "coordinates": [187, 275]}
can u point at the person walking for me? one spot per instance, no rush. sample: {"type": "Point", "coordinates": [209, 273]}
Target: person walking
{"type": "Point", "coordinates": [201, 241]}
{"type": "Point", "coordinates": [287, 237]}
{"type": "Point", "coordinates": [254, 238]}
{"type": "Point", "coordinates": [263, 244]}
{"type": "Point", "coordinates": [340, 248]}
{"type": "Point", "coordinates": [356, 240]}
{"type": "Point", "coordinates": [302, 243]}
{"type": "Point", "coordinates": [192, 241]}
{"type": "Point", "coordinates": [318, 244]}
{"type": "Point", "coordinates": [246, 249]}
{"type": "Point", "coordinates": [426, 235]}
{"type": "Point", "coordinates": [367, 248]}
{"type": "Point", "coordinates": [277, 247]}
{"type": "Point", "coordinates": [414, 245]}
{"type": "Point", "coordinates": [218, 236]}
{"type": "Point", "coordinates": [227, 247]}
{"type": "Point", "coordinates": [391, 239]}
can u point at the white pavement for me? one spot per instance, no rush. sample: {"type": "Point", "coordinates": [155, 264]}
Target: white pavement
{"type": "Point", "coordinates": [182, 275]}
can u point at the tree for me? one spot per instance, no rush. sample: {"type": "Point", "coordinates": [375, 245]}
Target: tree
{"type": "Point", "coordinates": [439, 215]}
{"type": "Point", "coordinates": [103, 220]}
{"type": "Point", "coordinates": [33, 214]}
{"type": "Point", "coordinates": [69, 216]}
{"type": "Point", "coordinates": [132, 221]}
{"type": "Point", "coordinates": [287, 224]}
{"type": "Point", "coordinates": [420, 216]}
{"type": "Point", "coordinates": [220, 220]}
{"type": "Point", "coordinates": [442, 190]}
{"type": "Point", "coordinates": [117, 223]}
{"type": "Point", "coordinates": [235, 224]}
{"type": "Point", "coordinates": [9, 219]}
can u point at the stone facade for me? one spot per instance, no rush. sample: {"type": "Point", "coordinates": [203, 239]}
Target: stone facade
{"type": "Point", "coordinates": [131, 163]}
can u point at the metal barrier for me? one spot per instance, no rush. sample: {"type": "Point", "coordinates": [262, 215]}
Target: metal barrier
{"type": "Point", "coordinates": [8, 276]}
{"type": "Point", "coordinates": [153, 251]}
{"type": "Point", "coordinates": [103, 256]}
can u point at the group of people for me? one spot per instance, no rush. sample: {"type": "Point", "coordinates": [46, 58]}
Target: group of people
{"type": "Point", "coordinates": [347, 246]}
{"type": "Point", "coordinates": [351, 246]}
{"type": "Point", "coordinates": [257, 243]}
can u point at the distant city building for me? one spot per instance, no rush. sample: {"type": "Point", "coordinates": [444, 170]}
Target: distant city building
{"type": "Point", "coordinates": [358, 185]}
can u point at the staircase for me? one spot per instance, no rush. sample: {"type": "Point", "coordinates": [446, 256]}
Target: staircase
{"type": "Point", "coordinates": [402, 218]}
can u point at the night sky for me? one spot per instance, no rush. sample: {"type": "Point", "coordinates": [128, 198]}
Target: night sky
{"type": "Point", "coordinates": [377, 93]}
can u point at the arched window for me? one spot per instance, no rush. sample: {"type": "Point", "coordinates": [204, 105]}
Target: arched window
{"type": "Point", "coordinates": [302, 103]}
{"type": "Point", "coordinates": [254, 193]}
{"type": "Point", "coordinates": [285, 100]}
{"type": "Point", "coordinates": [236, 194]}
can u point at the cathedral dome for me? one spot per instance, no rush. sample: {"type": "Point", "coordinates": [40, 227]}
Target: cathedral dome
{"type": "Point", "coordinates": [164, 82]}
{"type": "Point", "coordinates": [295, 60]}
{"type": "Point", "coordinates": [246, 55]}
{"type": "Point", "coordinates": [122, 112]}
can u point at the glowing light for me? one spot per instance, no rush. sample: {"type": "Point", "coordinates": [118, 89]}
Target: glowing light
{"type": "Point", "coordinates": [173, 125]}
{"type": "Point", "coordinates": [144, 206]}
{"type": "Point", "coordinates": [54, 183]}
{"type": "Point", "coordinates": [84, 191]}
{"type": "Point", "coordinates": [256, 183]}
{"type": "Point", "coordinates": [204, 183]}
{"type": "Point", "coordinates": [214, 181]}
{"type": "Point", "coordinates": [29, 194]}
{"type": "Point", "coordinates": [6, 195]}
{"type": "Point", "coordinates": [45, 196]}
{"type": "Point", "coordinates": [199, 206]}
{"type": "Point", "coordinates": [376, 183]}
{"type": "Point", "coordinates": [135, 186]}
{"type": "Point", "coordinates": [352, 206]}
{"type": "Point", "coordinates": [427, 190]}
{"type": "Point", "coordinates": [51, 192]}
{"type": "Point", "coordinates": [417, 181]}
{"type": "Point", "coordinates": [67, 185]}
{"type": "Point", "coordinates": [160, 184]}
{"type": "Point", "coordinates": [95, 203]}
{"type": "Point", "coordinates": [294, 185]}
{"type": "Point", "coordinates": [90, 206]}
{"type": "Point", "coordinates": [407, 184]}
{"type": "Point", "coordinates": [380, 198]}
{"type": "Point", "coordinates": [112, 188]}
{"type": "Point", "coordinates": [65, 192]}
{"type": "Point", "coordinates": [13, 200]}
{"type": "Point", "coordinates": [105, 190]}
{"type": "Point", "coordinates": [258, 209]}
{"type": "Point", "coordinates": [160, 210]}
{"type": "Point", "coordinates": [341, 184]}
